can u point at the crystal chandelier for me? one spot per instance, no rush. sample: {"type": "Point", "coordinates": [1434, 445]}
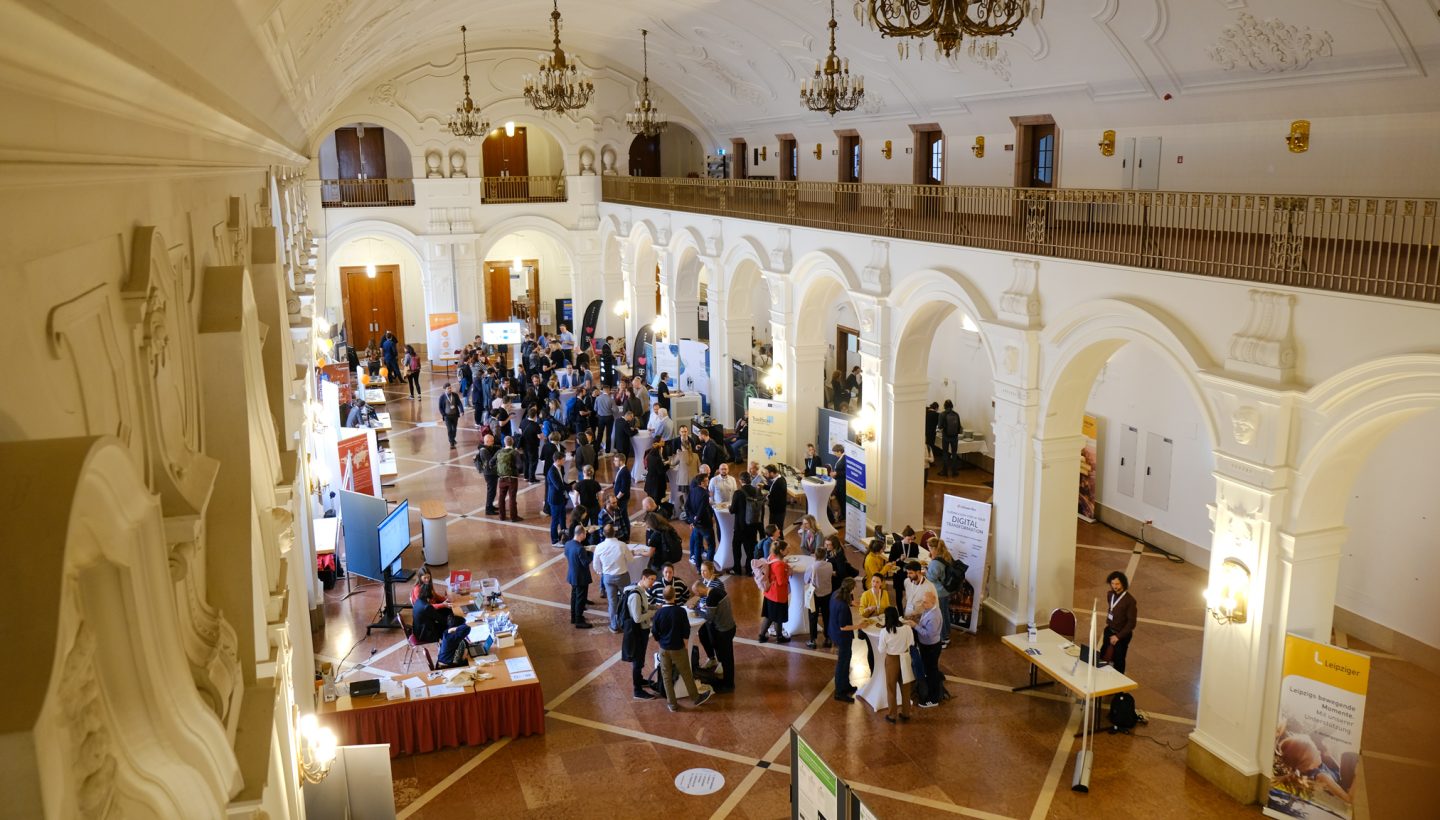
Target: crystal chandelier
{"type": "Point", "coordinates": [467, 121]}
{"type": "Point", "coordinates": [948, 21]}
{"type": "Point", "coordinates": [832, 88]}
{"type": "Point", "coordinates": [646, 119]}
{"type": "Point", "coordinates": [558, 86]}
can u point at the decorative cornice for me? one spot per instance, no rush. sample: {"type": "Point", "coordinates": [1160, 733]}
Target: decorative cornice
{"type": "Point", "coordinates": [1265, 347]}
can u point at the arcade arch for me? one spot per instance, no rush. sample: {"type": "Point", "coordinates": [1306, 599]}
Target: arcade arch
{"type": "Point", "coordinates": [543, 276]}
{"type": "Point", "coordinates": [392, 299]}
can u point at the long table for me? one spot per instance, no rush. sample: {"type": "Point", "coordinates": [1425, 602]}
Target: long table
{"type": "Point", "coordinates": [484, 711]}
{"type": "Point", "coordinates": [1050, 656]}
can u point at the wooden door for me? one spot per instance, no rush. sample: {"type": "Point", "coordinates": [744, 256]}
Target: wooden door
{"type": "Point", "coordinates": [1036, 154]}
{"type": "Point", "coordinates": [372, 306]}
{"type": "Point", "coordinates": [645, 156]}
{"type": "Point", "coordinates": [504, 156]}
{"type": "Point", "coordinates": [497, 291]}
{"type": "Point", "coordinates": [847, 343]}
{"type": "Point", "coordinates": [739, 167]}
{"type": "Point", "coordinates": [789, 159]}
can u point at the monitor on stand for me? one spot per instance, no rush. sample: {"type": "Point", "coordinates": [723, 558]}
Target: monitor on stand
{"type": "Point", "coordinates": [394, 537]}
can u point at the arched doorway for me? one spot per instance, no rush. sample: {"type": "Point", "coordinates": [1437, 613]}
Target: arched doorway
{"type": "Point", "coordinates": [365, 164]}
{"type": "Point", "coordinates": [527, 276]}
{"type": "Point", "coordinates": [645, 156]}
{"type": "Point", "coordinates": [378, 288]}
{"type": "Point", "coordinates": [521, 163]}
{"type": "Point", "coordinates": [675, 152]}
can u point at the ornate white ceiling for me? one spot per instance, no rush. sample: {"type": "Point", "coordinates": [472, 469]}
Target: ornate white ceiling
{"type": "Point", "coordinates": [736, 64]}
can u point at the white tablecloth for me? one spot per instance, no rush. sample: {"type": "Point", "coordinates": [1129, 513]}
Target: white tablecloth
{"type": "Point", "coordinates": [724, 546]}
{"type": "Point", "coordinates": [817, 501]}
{"type": "Point", "coordinates": [874, 692]}
{"type": "Point", "coordinates": [639, 444]}
{"type": "Point", "coordinates": [799, 621]}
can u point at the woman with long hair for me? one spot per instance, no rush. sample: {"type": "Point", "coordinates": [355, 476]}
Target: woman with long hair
{"type": "Point", "coordinates": [412, 371]}
{"type": "Point", "coordinates": [895, 642]}
{"type": "Point", "coordinates": [940, 563]}
{"type": "Point", "coordinates": [809, 535]}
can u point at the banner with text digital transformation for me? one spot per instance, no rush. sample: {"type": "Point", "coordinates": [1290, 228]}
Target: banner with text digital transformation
{"type": "Point", "coordinates": [1317, 741]}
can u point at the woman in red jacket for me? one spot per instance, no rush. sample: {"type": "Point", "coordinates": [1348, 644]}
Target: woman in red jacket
{"type": "Point", "coordinates": [776, 606]}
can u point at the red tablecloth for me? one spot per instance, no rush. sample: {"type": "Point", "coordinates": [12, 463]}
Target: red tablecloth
{"type": "Point", "coordinates": [412, 726]}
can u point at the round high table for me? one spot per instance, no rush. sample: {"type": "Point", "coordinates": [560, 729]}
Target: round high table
{"type": "Point", "coordinates": [874, 691]}
{"type": "Point", "coordinates": [640, 443]}
{"type": "Point", "coordinates": [817, 502]}
{"type": "Point", "coordinates": [724, 540]}
{"type": "Point", "coordinates": [799, 621]}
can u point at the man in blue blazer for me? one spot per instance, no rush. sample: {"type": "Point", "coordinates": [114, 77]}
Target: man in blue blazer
{"type": "Point", "coordinates": [557, 490]}
{"type": "Point", "coordinates": [623, 481]}
{"type": "Point", "coordinates": [577, 559]}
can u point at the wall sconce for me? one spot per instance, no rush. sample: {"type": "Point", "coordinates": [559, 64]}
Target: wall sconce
{"type": "Point", "coordinates": [622, 310]}
{"type": "Point", "coordinates": [1299, 137]}
{"type": "Point", "coordinates": [370, 269]}
{"type": "Point", "coordinates": [978, 149]}
{"type": "Point", "coordinates": [887, 151]}
{"type": "Point", "coordinates": [817, 150]}
{"type": "Point", "coordinates": [510, 128]}
{"type": "Point", "coordinates": [764, 152]}
{"type": "Point", "coordinates": [865, 425]}
{"type": "Point", "coordinates": [517, 266]}
{"type": "Point", "coordinates": [1107, 144]}
{"type": "Point", "coordinates": [660, 325]}
{"type": "Point", "coordinates": [775, 380]}
{"type": "Point", "coordinates": [316, 749]}
{"type": "Point", "coordinates": [1228, 598]}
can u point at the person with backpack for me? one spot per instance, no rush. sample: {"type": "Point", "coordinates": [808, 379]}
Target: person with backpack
{"type": "Point", "coordinates": [412, 371]}
{"type": "Point", "coordinates": [485, 466]}
{"type": "Point", "coordinates": [743, 540]}
{"type": "Point", "coordinates": [663, 539]}
{"type": "Point", "coordinates": [671, 626]}
{"type": "Point", "coordinates": [635, 617]}
{"type": "Point", "coordinates": [450, 408]}
{"type": "Point", "coordinates": [950, 430]}
{"type": "Point", "coordinates": [507, 468]}
{"type": "Point", "coordinates": [947, 576]}
{"type": "Point", "coordinates": [772, 575]}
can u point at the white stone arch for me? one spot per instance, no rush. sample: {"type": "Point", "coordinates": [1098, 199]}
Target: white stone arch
{"type": "Point", "coordinates": [640, 257]}
{"type": "Point", "coordinates": [819, 277]}
{"type": "Point", "coordinates": [527, 222]}
{"type": "Point", "coordinates": [407, 131]}
{"type": "Point", "coordinates": [924, 299]}
{"type": "Point", "coordinates": [683, 297]}
{"type": "Point", "coordinates": [337, 240]}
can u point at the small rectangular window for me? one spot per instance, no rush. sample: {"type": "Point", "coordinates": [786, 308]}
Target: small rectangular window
{"type": "Point", "coordinates": [937, 160]}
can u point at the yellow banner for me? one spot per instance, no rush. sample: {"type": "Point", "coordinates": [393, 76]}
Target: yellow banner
{"type": "Point", "coordinates": [1321, 662]}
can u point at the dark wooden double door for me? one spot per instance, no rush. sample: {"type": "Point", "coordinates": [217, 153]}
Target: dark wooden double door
{"type": "Point", "coordinates": [372, 306]}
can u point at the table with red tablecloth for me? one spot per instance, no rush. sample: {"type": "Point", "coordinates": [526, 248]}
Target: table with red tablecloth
{"type": "Point", "coordinates": [487, 710]}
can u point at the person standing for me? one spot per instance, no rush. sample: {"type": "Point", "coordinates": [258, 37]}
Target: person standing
{"type": "Point", "coordinates": [717, 636]}
{"type": "Point", "coordinates": [776, 496]}
{"type": "Point", "coordinates": [820, 576]}
{"type": "Point", "coordinates": [624, 433]}
{"type": "Point", "coordinates": [722, 488]}
{"type": "Point", "coordinates": [745, 506]}
{"type": "Point", "coordinates": [812, 462]}
{"type": "Point", "coordinates": [530, 442]}
{"type": "Point", "coordinates": [671, 626]}
{"type": "Point", "coordinates": [605, 418]}
{"type": "Point", "coordinates": [662, 392]}
{"type": "Point", "coordinates": [485, 465]}
{"type": "Point", "coordinates": [950, 440]}
{"type": "Point", "coordinates": [927, 637]}
{"type": "Point", "coordinates": [610, 561]}
{"type": "Point", "coordinates": [507, 473]}
{"type": "Point", "coordinates": [837, 472]}
{"type": "Point", "coordinates": [412, 371]}
{"type": "Point", "coordinates": [840, 630]}
{"type": "Point", "coordinates": [894, 649]}
{"type": "Point", "coordinates": [1120, 620]}
{"type": "Point", "coordinates": [656, 469]}
{"type": "Point", "coordinates": [450, 408]}
{"type": "Point", "coordinates": [612, 516]}
{"type": "Point", "coordinates": [938, 572]}
{"type": "Point", "coordinates": [711, 454]}
{"type": "Point", "coordinates": [932, 426]}
{"type": "Point", "coordinates": [390, 349]}
{"type": "Point", "coordinates": [665, 582]}
{"type": "Point", "coordinates": [623, 482]}
{"type": "Point", "coordinates": [776, 606]}
{"type": "Point", "coordinates": [635, 618]}
{"type": "Point", "coordinates": [702, 520]}
{"type": "Point", "coordinates": [557, 493]}
{"type": "Point", "coordinates": [577, 575]}
{"type": "Point", "coordinates": [589, 490]}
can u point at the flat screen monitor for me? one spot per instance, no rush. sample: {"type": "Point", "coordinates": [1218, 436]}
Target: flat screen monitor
{"type": "Point", "coordinates": [394, 534]}
{"type": "Point", "coordinates": [501, 333]}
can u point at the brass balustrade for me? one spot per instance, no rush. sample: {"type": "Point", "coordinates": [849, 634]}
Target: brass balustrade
{"type": "Point", "coordinates": [366, 193]}
{"type": "Point", "coordinates": [523, 189]}
{"type": "Point", "coordinates": [1376, 246]}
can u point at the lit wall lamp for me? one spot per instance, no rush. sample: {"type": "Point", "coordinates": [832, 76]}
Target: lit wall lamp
{"type": "Point", "coordinates": [1228, 598]}
{"type": "Point", "coordinates": [764, 152]}
{"type": "Point", "coordinates": [865, 425]}
{"type": "Point", "coordinates": [775, 380]}
{"type": "Point", "coordinates": [316, 752]}
{"type": "Point", "coordinates": [510, 128]}
{"type": "Point", "coordinates": [1299, 137]}
{"type": "Point", "coordinates": [887, 151]}
{"type": "Point", "coordinates": [1107, 144]}
{"type": "Point", "coordinates": [370, 269]}
{"type": "Point", "coordinates": [817, 150]}
{"type": "Point", "coordinates": [978, 149]}
{"type": "Point", "coordinates": [660, 326]}
{"type": "Point", "coordinates": [622, 309]}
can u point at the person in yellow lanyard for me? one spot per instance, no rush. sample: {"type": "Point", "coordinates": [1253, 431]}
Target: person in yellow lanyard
{"type": "Point", "coordinates": [1119, 620]}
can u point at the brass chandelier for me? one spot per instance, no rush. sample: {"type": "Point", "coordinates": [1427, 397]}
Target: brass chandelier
{"type": "Point", "coordinates": [832, 88]}
{"type": "Point", "coordinates": [947, 21]}
{"type": "Point", "coordinates": [467, 121]}
{"type": "Point", "coordinates": [558, 86]}
{"type": "Point", "coordinates": [646, 120]}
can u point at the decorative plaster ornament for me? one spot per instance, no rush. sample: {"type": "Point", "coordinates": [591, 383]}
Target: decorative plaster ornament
{"type": "Point", "coordinates": [1012, 359]}
{"type": "Point", "coordinates": [1270, 46]}
{"type": "Point", "coordinates": [434, 161]}
{"type": "Point", "coordinates": [607, 161]}
{"type": "Point", "coordinates": [1244, 423]}
{"type": "Point", "coordinates": [457, 164]}
{"type": "Point", "coordinates": [587, 162]}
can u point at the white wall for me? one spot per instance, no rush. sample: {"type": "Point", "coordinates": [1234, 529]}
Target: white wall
{"type": "Point", "coordinates": [960, 371]}
{"type": "Point", "coordinates": [382, 251]}
{"type": "Point", "coordinates": [759, 312]}
{"type": "Point", "coordinates": [1388, 568]}
{"type": "Point", "coordinates": [543, 153]}
{"type": "Point", "coordinates": [680, 152]}
{"type": "Point", "coordinates": [1138, 388]}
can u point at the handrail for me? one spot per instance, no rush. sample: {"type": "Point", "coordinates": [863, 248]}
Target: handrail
{"type": "Point", "coordinates": [1375, 246]}
{"type": "Point", "coordinates": [507, 190]}
{"type": "Point", "coordinates": [366, 193]}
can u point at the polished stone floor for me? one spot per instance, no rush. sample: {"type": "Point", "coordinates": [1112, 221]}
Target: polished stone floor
{"type": "Point", "coordinates": [988, 752]}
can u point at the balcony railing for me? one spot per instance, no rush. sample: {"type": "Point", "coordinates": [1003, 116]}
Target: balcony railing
{"type": "Point", "coordinates": [523, 189]}
{"type": "Point", "coordinates": [1376, 246]}
{"type": "Point", "coordinates": [366, 193]}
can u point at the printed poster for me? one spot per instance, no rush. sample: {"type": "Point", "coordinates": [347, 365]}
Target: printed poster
{"type": "Point", "coordinates": [339, 375]}
{"type": "Point", "coordinates": [855, 497]}
{"type": "Point", "coordinates": [695, 369]}
{"type": "Point", "coordinates": [667, 361]}
{"type": "Point", "coordinates": [443, 338]}
{"type": "Point", "coordinates": [767, 432]}
{"type": "Point", "coordinates": [817, 789]}
{"type": "Point", "coordinates": [358, 467]}
{"type": "Point", "coordinates": [965, 528]}
{"type": "Point", "coordinates": [1089, 468]}
{"type": "Point", "coordinates": [1317, 741]}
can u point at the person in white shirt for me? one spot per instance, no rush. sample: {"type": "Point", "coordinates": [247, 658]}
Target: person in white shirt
{"type": "Point", "coordinates": [722, 488]}
{"type": "Point", "coordinates": [894, 646]}
{"type": "Point", "coordinates": [611, 561]}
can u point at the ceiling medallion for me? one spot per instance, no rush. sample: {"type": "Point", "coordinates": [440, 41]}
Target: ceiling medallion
{"type": "Point", "coordinates": [467, 121]}
{"type": "Point", "coordinates": [1270, 46]}
{"type": "Point", "coordinates": [646, 120]}
{"type": "Point", "coordinates": [832, 88]}
{"type": "Point", "coordinates": [558, 86]}
{"type": "Point", "coordinates": [947, 21]}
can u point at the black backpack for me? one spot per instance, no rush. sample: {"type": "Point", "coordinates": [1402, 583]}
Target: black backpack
{"type": "Point", "coordinates": [951, 421]}
{"type": "Point", "coordinates": [626, 621]}
{"type": "Point", "coordinates": [1122, 711]}
{"type": "Point", "coordinates": [954, 576]}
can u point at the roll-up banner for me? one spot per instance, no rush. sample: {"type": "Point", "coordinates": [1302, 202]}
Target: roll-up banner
{"type": "Point", "coordinates": [965, 528]}
{"type": "Point", "coordinates": [586, 333]}
{"type": "Point", "coordinates": [855, 498]}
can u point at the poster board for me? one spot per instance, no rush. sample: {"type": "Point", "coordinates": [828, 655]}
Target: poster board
{"type": "Point", "coordinates": [744, 386]}
{"type": "Point", "coordinates": [1322, 711]}
{"type": "Point", "coordinates": [360, 516]}
{"type": "Point", "coordinates": [816, 793]}
{"type": "Point", "coordinates": [855, 497]}
{"type": "Point", "coordinates": [442, 336]}
{"type": "Point", "coordinates": [357, 460]}
{"type": "Point", "coordinates": [1089, 468]}
{"type": "Point", "coordinates": [585, 335]}
{"type": "Point", "coordinates": [694, 374]}
{"type": "Point", "coordinates": [965, 528]}
{"type": "Point", "coordinates": [338, 375]}
{"type": "Point", "coordinates": [832, 428]}
{"type": "Point", "coordinates": [501, 334]}
{"type": "Point", "coordinates": [768, 421]}
{"type": "Point", "coordinates": [667, 361]}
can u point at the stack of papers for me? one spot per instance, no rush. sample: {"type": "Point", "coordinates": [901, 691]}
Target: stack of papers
{"type": "Point", "coordinates": [520, 669]}
{"type": "Point", "coordinates": [442, 689]}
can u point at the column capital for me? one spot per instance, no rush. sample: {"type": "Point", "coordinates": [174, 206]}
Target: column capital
{"type": "Point", "coordinates": [907, 391]}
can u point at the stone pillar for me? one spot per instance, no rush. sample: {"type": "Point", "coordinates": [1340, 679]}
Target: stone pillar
{"type": "Point", "coordinates": [469, 299]}
{"type": "Point", "coordinates": [900, 478]}
{"type": "Point", "coordinates": [729, 341]}
{"type": "Point", "coordinates": [1054, 476]}
{"type": "Point", "coordinates": [629, 293]}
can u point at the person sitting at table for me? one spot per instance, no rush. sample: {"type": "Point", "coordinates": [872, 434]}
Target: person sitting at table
{"type": "Point", "coordinates": [453, 647]}
{"type": "Point", "coordinates": [895, 641]}
{"type": "Point", "coordinates": [431, 613]}
{"type": "Point", "coordinates": [361, 415]}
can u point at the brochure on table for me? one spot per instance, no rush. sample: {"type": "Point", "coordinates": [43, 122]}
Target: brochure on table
{"type": "Point", "coordinates": [965, 528]}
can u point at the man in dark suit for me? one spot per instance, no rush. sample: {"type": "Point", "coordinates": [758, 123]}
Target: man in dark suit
{"type": "Point", "coordinates": [624, 433]}
{"type": "Point", "coordinates": [776, 496]}
{"type": "Point", "coordinates": [530, 442]}
{"type": "Point", "coordinates": [557, 491]}
{"type": "Point", "coordinates": [932, 424]}
{"type": "Point", "coordinates": [837, 472]}
{"type": "Point", "coordinates": [711, 454]}
{"type": "Point", "coordinates": [623, 480]}
{"type": "Point", "coordinates": [450, 408]}
{"type": "Point", "coordinates": [548, 453]}
{"type": "Point", "coordinates": [577, 575]}
{"type": "Point", "coordinates": [1120, 620]}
